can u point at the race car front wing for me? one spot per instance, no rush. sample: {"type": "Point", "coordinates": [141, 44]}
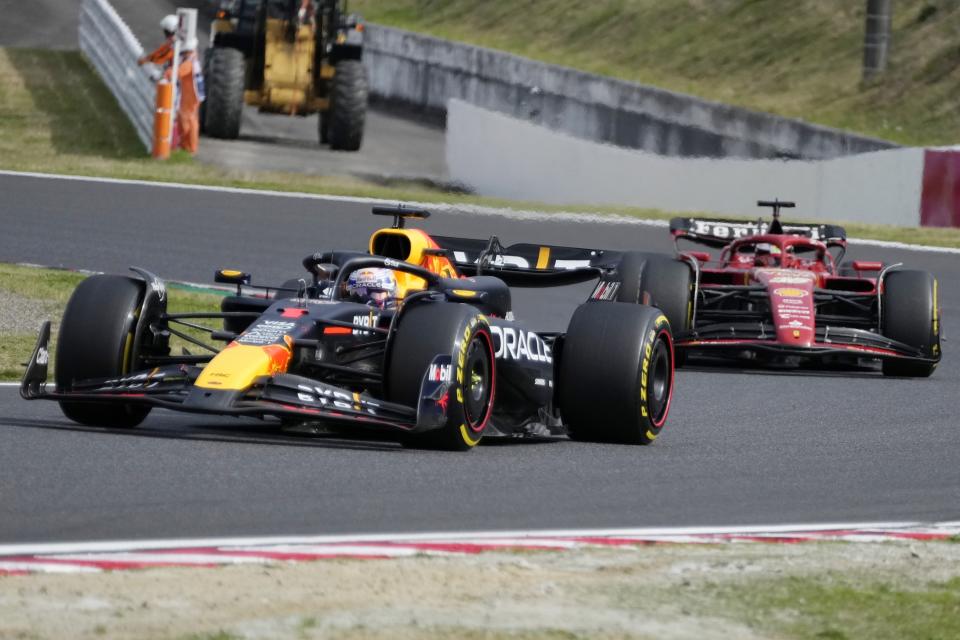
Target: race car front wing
{"type": "Point", "coordinates": [283, 395]}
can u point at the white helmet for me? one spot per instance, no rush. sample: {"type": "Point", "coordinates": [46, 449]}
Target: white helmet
{"type": "Point", "coordinates": [373, 285]}
{"type": "Point", "coordinates": [190, 44]}
{"type": "Point", "coordinates": [170, 23]}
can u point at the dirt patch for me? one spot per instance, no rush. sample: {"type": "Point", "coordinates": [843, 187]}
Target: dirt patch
{"type": "Point", "coordinates": [19, 314]}
{"type": "Point", "coordinates": [659, 592]}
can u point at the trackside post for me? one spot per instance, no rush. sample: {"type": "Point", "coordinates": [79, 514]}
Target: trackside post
{"type": "Point", "coordinates": [163, 120]}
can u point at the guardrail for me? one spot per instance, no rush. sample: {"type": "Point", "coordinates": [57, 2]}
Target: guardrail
{"type": "Point", "coordinates": [107, 42]}
{"type": "Point", "coordinates": [423, 72]}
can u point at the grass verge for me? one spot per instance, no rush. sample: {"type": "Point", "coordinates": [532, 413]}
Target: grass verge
{"type": "Point", "coordinates": [46, 292]}
{"type": "Point", "coordinates": [797, 58]}
{"type": "Point", "coordinates": [841, 607]}
{"type": "Point", "coordinates": [57, 117]}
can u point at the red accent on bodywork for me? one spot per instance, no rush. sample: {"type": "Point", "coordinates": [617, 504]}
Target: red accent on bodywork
{"type": "Point", "coordinates": [493, 382]}
{"type": "Point", "coordinates": [337, 331]}
{"type": "Point", "coordinates": [439, 265]}
{"type": "Point", "coordinates": [940, 199]}
{"type": "Point", "coordinates": [864, 265]}
{"type": "Point", "coordinates": [293, 313]}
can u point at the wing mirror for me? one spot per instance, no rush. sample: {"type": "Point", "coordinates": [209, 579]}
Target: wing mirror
{"type": "Point", "coordinates": [699, 256]}
{"type": "Point", "coordinates": [863, 265]}
{"type": "Point", "coordinates": [232, 276]}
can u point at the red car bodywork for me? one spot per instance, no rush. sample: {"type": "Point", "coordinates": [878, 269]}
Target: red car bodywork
{"type": "Point", "coordinates": [782, 295]}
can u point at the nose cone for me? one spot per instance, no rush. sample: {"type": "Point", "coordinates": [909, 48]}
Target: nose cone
{"type": "Point", "coordinates": [793, 313]}
{"type": "Point", "coordinates": [238, 366]}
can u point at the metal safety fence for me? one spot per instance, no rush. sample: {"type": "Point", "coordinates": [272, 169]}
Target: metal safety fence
{"type": "Point", "coordinates": [108, 44]}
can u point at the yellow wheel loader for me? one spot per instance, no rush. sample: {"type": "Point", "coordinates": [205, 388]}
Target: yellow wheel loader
{"type": "Point", "coordinates": [295, 57]}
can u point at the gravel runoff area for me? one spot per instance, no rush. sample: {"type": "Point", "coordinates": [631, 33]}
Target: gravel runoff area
{"type": "Point", "coordinates": [19, 314]}
{"type": "Point", "coordinates": [659, 591]}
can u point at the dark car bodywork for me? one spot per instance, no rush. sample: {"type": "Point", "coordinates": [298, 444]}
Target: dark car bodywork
{"type": "Point", "coordinates": [306, 352]}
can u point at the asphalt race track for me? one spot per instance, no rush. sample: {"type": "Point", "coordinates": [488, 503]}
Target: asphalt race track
{"type": "Point", "coordinates": [740, 448]}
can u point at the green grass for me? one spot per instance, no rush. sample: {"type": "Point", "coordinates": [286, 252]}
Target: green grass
{"type": "Point", "coordinates": [57, 117]}
{"type": "Point", "coordinates": [842, 607]}
{"type": "Point", "coordinates": [797, 58]}
{"type": "Point", "coordinates": [50, 289]}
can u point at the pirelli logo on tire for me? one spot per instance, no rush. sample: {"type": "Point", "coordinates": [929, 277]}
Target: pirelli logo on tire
{"type": "Point", "coordinates": [462, 352]}
{"type": "Point", "coordinates": [644, 368]}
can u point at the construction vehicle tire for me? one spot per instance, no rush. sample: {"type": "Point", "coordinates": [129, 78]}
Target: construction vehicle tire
{"type": "Point", "coordinates": [348, 106]}
{"type": "Point", "coordinates": [224, 103]}
{"type": "Point", "coordinates": [323, 127]}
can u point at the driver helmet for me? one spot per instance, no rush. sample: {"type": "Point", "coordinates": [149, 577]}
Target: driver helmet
{"type": "Point", "coordinates": [372, 285]}
{"type": "Point", "coordinates": [766, 249]}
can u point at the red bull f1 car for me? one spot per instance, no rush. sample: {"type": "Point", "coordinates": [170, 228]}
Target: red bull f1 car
{"type": "Point", "coordinates": [411, 336]}
{"type": "Point", "coordinates": [781, 294]}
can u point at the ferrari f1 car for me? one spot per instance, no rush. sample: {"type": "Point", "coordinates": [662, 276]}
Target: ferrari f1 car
{"type": "Point", "coordinates": [780, 294]}
{"type": "Point", "coordinates": [441, 360]}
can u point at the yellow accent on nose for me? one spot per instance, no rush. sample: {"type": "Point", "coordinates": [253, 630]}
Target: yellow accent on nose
{"type": "Point", "coordinates": [464, 293]}
{"type": "Point", "coordinates": [543, 259]}
{"type": "Point", "coordinates": [236, 367]}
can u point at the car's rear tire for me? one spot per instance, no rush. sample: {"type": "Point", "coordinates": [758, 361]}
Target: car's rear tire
{"type": "Point", "coordinates": [348, 107]}
{"type": "Point", "coordinates": [223, 108]}
{"type": "Point", "coordinates": [616, 373]}
{"type": "Point", "coordinates": [661, 281]}
{"type": "Point", "coordinates": [426, 331]}
{"type": "Point", "coordinates": [96, 341]}
{"type": "Point", "coordinates": [911, 316]}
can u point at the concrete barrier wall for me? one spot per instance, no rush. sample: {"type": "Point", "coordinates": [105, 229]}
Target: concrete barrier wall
{"type": "Point", "coordinates": [423, 73]}
{"type": "Point", "coordinates": [500, 156]}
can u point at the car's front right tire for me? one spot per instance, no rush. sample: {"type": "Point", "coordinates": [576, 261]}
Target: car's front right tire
{"type": "Point", "coordinates": [459, 330]}
{"type": "Point", "coordinates": [96, 341]}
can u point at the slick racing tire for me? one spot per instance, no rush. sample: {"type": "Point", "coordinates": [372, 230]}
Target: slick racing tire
{"type": "Point", "coordinates": [348, 107]}
{"type": "Point", "coordinates": [616, 373]}
{"type": "Point", "coordinates": [911, 315]}
{"type": "Point", "coordinates": [223, 108]}
{"type": "Point", "coordinates": [661, 281]}
{"type": "Point", "coordinates": [96, 341]}
{"type": "Point", "coordinates": [460, 331]}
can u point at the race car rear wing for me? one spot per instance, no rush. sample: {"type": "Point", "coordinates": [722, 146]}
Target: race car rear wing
{"type": "Point", "coordinates": [718, 232]}
{"type": "Point", "coordinates": [527, 265]}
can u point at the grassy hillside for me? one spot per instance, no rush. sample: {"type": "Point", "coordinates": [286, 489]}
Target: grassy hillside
{"type": "Point", "coordinates": [799, 58]}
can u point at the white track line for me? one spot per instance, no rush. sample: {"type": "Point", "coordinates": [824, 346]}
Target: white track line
{"type": "Point", "coordinates": [489, 537]}
{"type": "Point", "coordinates": [462, 209]}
